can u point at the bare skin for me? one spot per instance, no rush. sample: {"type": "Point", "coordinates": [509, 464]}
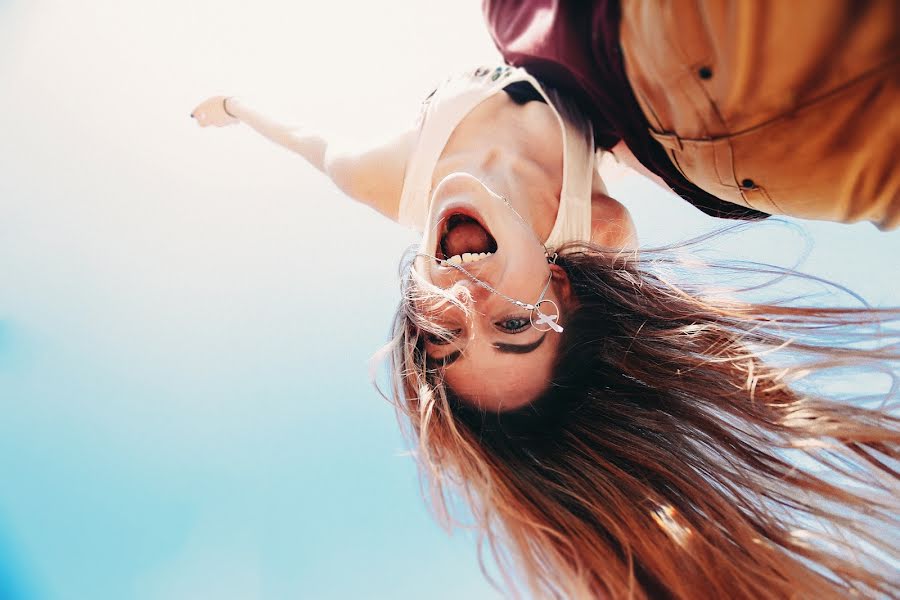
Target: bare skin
{"type": "Point", "coordinates": [495, 360]}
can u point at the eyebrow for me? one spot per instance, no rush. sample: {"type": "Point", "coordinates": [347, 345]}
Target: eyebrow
{"type": "Point", "coordinates": [520, 348]}
{"type": "Point", "coordinates": [499, 346]}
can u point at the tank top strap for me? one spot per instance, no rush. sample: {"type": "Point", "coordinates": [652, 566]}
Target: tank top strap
{"type": "Point", "coordinates": [449, 104]}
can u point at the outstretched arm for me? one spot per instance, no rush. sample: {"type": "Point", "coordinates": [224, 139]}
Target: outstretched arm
{"type": "Point", "coordinates": [371, 175]}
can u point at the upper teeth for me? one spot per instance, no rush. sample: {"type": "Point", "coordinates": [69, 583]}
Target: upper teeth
{"type": "Point", "coordinates": [467, 257]}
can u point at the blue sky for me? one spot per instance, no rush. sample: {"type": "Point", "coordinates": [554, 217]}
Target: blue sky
{"type": "Point", "coordinates": [187, 316]}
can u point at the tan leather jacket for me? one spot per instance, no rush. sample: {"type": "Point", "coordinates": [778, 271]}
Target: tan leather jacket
{"type": "Point", "coordinates": [785, 106]}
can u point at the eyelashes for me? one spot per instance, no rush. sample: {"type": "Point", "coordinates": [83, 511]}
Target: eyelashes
{"type": "Point", "coordinates": [442, 340]}
{"type": "Point", "coordinates": [513, 324]}
{"type": "Point", "coordinates": [509, 324]}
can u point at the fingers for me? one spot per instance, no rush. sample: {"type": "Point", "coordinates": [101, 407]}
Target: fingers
{"type": "Point", "coordinates": [200, 117]}
{"type": "Point", "coordinates": [211, 112]}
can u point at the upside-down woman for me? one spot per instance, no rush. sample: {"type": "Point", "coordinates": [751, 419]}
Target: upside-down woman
{"type": "Point", "coordinates": [614, 433]}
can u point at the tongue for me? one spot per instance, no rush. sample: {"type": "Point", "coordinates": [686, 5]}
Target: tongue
{"type": "Point", "coordinates": [466, 237]}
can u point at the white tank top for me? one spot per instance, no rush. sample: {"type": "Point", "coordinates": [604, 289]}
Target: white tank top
{"type": "Point", "coordinates": [449, 105]}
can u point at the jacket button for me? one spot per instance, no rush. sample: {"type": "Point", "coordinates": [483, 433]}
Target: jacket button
{"type": "Point", "coordinates": [705, 73]}
{"type": "Point", "coordinates": [748, 184]}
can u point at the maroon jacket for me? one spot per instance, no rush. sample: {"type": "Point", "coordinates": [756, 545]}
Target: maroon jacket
{"type": "Point", "coordinates": [574, 47]}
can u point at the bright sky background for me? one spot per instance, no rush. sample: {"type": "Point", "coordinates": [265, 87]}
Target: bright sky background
{"type": "Point", "coordinates": [186, 315]}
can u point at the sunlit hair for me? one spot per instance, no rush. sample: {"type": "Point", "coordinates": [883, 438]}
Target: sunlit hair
{"type": "Point", "coordinates": [677, 453]}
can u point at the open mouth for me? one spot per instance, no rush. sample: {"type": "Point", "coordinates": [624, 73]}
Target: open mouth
{"type": "Point", "coordinates": [464, 239]}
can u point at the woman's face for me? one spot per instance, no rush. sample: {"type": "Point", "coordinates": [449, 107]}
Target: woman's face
{"type": "Point", "coordinates": [495, 359]}
{"type": "Point", "coordinates": [495, 195]}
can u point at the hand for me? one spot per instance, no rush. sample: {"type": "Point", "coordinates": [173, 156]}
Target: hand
{"type": "Point", "coordinates": [212, 112]}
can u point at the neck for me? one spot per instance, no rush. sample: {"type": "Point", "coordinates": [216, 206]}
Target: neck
{"type": "Point", "coordinates": [514, 149]}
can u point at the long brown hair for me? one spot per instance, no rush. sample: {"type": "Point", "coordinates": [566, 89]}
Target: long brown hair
{"type": "Point", "coordinates": [677, 453]}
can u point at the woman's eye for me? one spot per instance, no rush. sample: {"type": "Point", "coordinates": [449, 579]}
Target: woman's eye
{"type": "Point", "coordinates": [514, 324]}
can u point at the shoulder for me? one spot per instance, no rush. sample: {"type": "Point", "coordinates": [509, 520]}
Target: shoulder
{"type": "Point", "coordinates": [611, 225]}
